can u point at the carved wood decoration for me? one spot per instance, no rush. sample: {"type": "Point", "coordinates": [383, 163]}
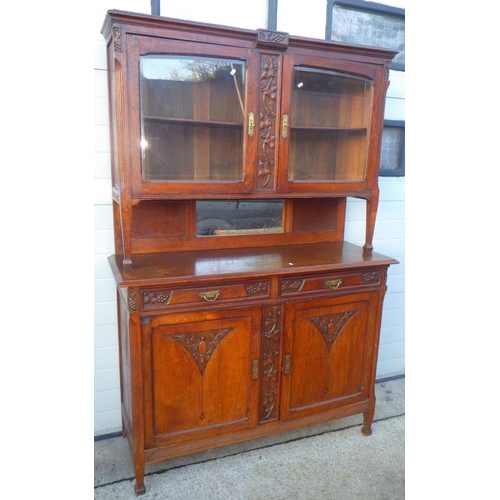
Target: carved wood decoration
{"type": "Point", "coordinates": [202, 345]}
{"type": "Point", "coordinates": [132, 299]}
{"type": "Point", "coordinates": [257, 288]}
{"type": "Point", "coordinates": [331, 325]}
{"type": "Point", "coordinates": [215, 343]}
{"type": "Point", "coordinates": [117, 32]}
{"type": "Point", "coordinates": [160, 297]}
{"type": "Point", "coordinates": [291, 285]}
{"type": "Point", "coordinates": [267, 120]}
{"type": "Point", "coordinates": [270, 362]}
{"type": "Point", "coordinates": [274, 39]}
{"type": "Point", "coordinates": [373, 277]}
{"type": "Point", "coordinates": [384, 277]}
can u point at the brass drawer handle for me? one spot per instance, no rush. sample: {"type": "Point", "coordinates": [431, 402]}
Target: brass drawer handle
{"type": "Point", "coordinates": [333, 283]}
{"type": "Point", "coordinates": [209, 296]}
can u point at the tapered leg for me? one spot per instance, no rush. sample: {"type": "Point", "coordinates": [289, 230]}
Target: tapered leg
{"type": "Point", "coordinates": [368, 417]}
{"type": "Point", "coordinates": [367, 423]}
{"type": "Point", "coordinates": [371, 214]}
{"type": "Point", "coordinates": [139, 465]}
{"type": "Point", "coordinates": [139, 490]}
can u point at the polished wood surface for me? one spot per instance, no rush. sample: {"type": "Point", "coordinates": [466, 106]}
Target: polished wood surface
{"type": "Point", "coordinates": [238, 335]}
{"type": "Point", "coordinates": [180, 267]}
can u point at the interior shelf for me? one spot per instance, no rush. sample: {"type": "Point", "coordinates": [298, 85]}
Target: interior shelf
{"type": "Point", "coordinates": [187, 121]}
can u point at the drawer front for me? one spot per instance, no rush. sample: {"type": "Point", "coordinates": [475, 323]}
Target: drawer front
{"type": "Point", "coordinates": [325, 283]}
{"type": "Point", "coordinates": [164, 298]}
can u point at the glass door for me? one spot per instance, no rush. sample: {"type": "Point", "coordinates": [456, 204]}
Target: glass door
{"type": "Point", "coordinates": [194, 123]}
{"type": "Point", "coordinates": [325, 133]}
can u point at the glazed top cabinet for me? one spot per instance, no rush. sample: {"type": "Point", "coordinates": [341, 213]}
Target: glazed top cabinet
{"type": "Point", "coordinates": [203, 112]}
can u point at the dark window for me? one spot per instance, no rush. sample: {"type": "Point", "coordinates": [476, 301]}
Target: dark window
{"type": "Point", "coordinates": [367, 23]}
{"type": "Point", "coordinates": [392, 155]}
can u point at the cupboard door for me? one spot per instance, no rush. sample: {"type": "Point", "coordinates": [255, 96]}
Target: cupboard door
{"type": "Point", "coordinates": [193, 114]}
{"type": "Point", "coordinates": [328, 349]}
{"type": "Point", "coordinates": [199, 375]}
{"type": "Point", "coordinates": [326, 124]}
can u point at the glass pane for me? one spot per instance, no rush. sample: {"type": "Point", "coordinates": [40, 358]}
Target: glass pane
{"type": "Point", "coordinates": [329, 121]}
{"type": "Point", "coordinates": [369, 28]}
{"type": "Point", "coordinates": [391, 147]}
{"type": "Point", "coordinates": [235, 217]}
{"type": "Point", "coordinates": [192, 109]}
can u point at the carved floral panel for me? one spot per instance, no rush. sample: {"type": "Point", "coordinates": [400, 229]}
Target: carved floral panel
{"type": "Point", "coordinates": [331, 325]}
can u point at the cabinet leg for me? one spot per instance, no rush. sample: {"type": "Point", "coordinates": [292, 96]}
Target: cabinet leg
{"type": "Point", "coordinates": [139, 490]}
{"type": "Point", "coordinates": [368, 417]}
{"type": "Point", "coordinates": [367, 423]}
{"type": "Point", "coordinates": [139, 487]}
{"type": "Point", "coordinates": [139, 467]}
{"type": "Point", "coordinates": [371, 214]}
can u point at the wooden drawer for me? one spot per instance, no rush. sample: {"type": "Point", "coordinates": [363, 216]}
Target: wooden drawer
{"type": "Point", "coordinates": [325, 283]}
{"type": "Point", "coordinates": [162, 298]}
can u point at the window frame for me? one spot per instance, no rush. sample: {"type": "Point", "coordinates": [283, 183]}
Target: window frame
{"type": "Point", "coordinates": [369, 7]}
{"type": "Point", "coordinates": [400, 171]}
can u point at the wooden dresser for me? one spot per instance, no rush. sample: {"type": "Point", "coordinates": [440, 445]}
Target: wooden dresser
{"type": "Point", "coordinates": [242, 311]}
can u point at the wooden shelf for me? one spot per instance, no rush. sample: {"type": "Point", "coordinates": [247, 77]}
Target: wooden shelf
{"type": "Point", "coordinates": [193, 123]}
{"type": "Point", "coordinates": [329, 129]}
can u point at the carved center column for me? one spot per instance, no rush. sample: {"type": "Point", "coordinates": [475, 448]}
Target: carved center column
{"type": "Point", "coordinates": [270, 67]}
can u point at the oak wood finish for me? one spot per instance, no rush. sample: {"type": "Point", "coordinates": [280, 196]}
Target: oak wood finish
{"type": "Point", "coordinates": [235, 336]}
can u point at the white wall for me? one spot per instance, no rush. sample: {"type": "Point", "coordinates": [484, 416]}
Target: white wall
{"type": "Point", "coordinates": [297, 18]}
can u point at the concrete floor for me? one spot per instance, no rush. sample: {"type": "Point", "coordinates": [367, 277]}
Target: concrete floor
{"type": "Point", "coordinates": [331, 461]}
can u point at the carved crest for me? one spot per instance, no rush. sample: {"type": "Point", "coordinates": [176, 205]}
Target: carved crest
{"type": "Point", "coordinates": [274, 39]}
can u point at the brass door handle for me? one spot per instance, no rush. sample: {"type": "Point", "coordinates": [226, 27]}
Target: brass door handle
{"type": "Point", "coordinates": [209, 296]}
{"type": "Point", "coordinates": [255, 374]}
{"type": "Point", "coordinates": [251, 124]}
{"type": "Point", "coordinates": [287, 363]}
{"type": "Point", "coordinates": [284, 126]}
{"type": "Point", "coordinates": [333, 283]}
